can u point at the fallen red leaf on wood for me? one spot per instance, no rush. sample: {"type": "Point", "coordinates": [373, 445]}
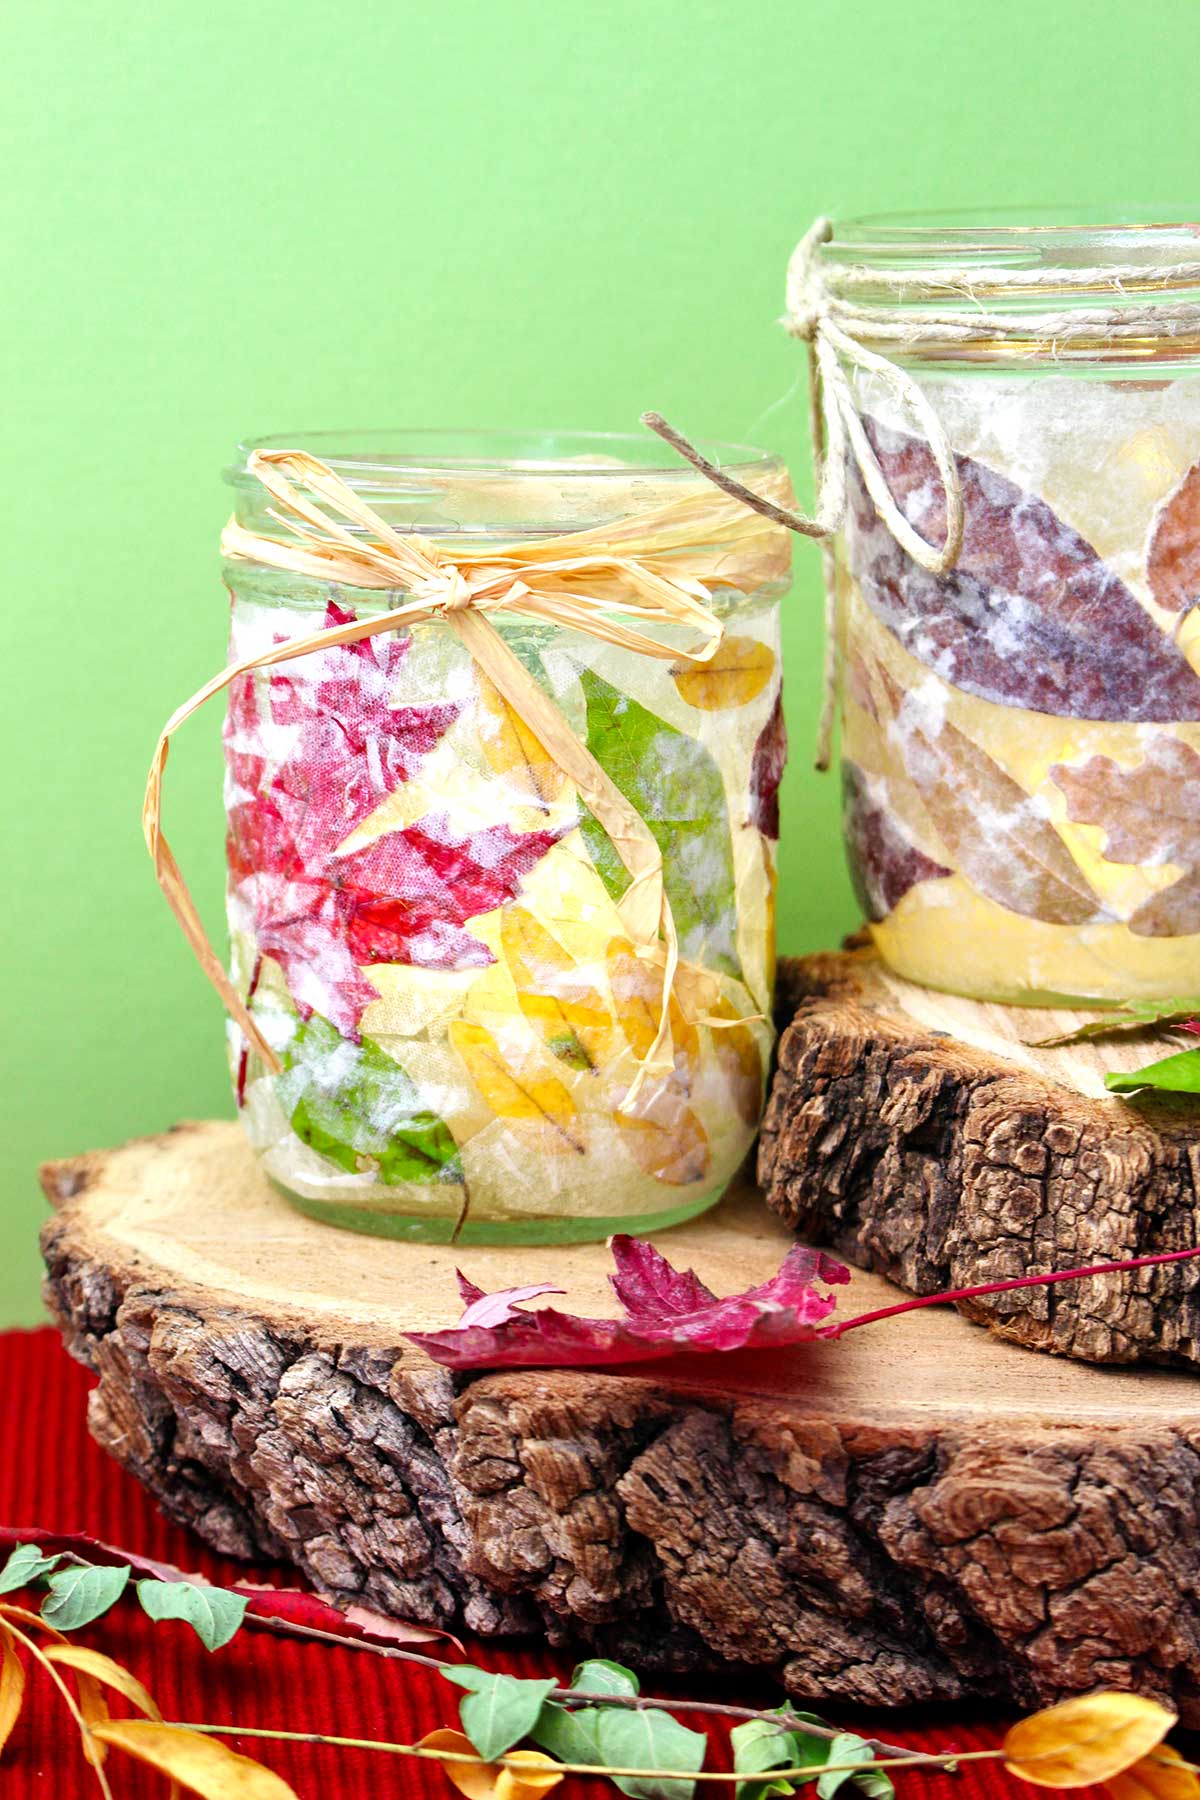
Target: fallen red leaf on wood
{"type": "Point", "coordinates": [668, 1311]}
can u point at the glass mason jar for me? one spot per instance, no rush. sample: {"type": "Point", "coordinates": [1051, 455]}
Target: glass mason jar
{"type": "Point", "coordinates": [1021, 736]}
{"type": "Point", "coordinates": [423, 915]}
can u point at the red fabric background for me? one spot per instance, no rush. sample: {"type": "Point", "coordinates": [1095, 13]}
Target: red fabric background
{"type": "Point", "coordinates": [53, 1476]}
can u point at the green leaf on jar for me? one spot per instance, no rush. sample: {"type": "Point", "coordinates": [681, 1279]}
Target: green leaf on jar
{"type": "Point", "coordinates": [677, 788]}
{"type": "Point", "coordinates": [354, 1104]}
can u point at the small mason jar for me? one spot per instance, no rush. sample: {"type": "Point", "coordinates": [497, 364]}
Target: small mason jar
{"type": "Point", "coordinates": [1021, 735]}
{"type": "Point", "coordinates": [424, 917]}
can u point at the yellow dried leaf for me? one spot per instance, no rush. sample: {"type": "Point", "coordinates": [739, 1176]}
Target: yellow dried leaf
{"type": "Point", "coordinates": [513, 750]}
{"type": "Point", "coordinates": [569, 1013]}
{"type": "Point", "coordinates": [637, 987]}
{"type": "Point", "coordinates": [736, 674]}
{"type": "Point", "coordinates": [1091, 1738]}
{"type": "Point", "coordinates": [737, 1053]}
{"type": "Point", "coordinates": [203, 1765]}
{"type": "Point", "coordinates": [517, 1087]}
{"type": "Point", "coordinates": [1163, 1775]}
{"type": "Point", "coordinates": [12, 1685]}
{"type": "Point", "coordinates": [664, 1137]}
{"type": "Point", "coordinates": [93, 1666]}
{"type": "Point", "coordinates": [493, 1781]}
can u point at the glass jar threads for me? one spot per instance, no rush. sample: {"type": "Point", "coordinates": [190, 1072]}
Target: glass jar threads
{"type": "Point", "coordinates": [1021, 730]}
{"type": "Point", "coordinates": [502, 918]}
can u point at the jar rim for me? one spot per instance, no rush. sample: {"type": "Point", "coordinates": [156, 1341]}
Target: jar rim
{"type": "Point", "coordinates": [366, 459]}
{"type": "Point", "coordinates": [497, 486]}
{"type": "Point", "coordinates": [1033, 288]}
{"type": "Point", "coordinates": [1003, 223]}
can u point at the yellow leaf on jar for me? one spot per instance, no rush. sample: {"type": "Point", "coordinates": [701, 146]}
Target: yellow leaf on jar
{"type": "Point", "coordinates": [736, 1049]}
{"type": "Point", "coordinates": [512, 749]}
{"type": "Point", "coordinates": [568, 1012]}
{"type": "Point", "coordinates": [1162, 1775]}
{"type": "Point", "coordinates": [537, 1774]}
{"type": "Point", "coordinates": [736, 674]}
{"type": "Point", "coordinates": [516, 1086]}
{"type": "Point", "coordinates": [203, 1765]}
{"type": "Point", "coordinates": [637, 987]}
{"type": "Point", "coordinates": [663, 1136]}
{"type": "Point", "coordinates": [1091, 1738]}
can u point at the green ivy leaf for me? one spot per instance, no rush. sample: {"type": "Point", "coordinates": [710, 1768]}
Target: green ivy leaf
{"type": "Point", "coordinates": [214, 1614]}
{"type": "Point", "coordinates": [649, 1739]}
{"type": "Point", "coordinates": [847, 1748]}
{"type": "Point", "coordinates": [24, 1565]}
{"type": "Point", "coordinates": [1179, 1074]}
{"type": "Point", "coordinates": [599, 1676]}
{"type": "Point", "coordinates": [762, 1744]}
{"type": "Point", "coordinates": [676, 786]}
{"type": "Point", "coordinates": [355, 1104]}
{"type": "Point", "coordinates": [80, 1594]}
{"type": "Point", "coordinates": [500, 1709]}
{"type": "Point", "coordinates": [569, 1733]}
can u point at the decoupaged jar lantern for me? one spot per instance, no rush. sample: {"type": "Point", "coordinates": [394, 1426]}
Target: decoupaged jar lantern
{"type": "Point", "coordinates": [501, 873]}
{"type": "Point", "coordinates": [1021, 727]}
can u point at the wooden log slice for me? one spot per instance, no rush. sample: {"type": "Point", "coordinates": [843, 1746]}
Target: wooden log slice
{"type": "Point", "coordinates": [915, 1512]}
{"type": "Point", "coordinates": [923, 1136]}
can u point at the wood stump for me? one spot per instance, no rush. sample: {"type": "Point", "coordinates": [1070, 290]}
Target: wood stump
{"type": "Point", "coordinates": [924, 1137]}
{"type": "Point", "coordinates": [916, 1512]}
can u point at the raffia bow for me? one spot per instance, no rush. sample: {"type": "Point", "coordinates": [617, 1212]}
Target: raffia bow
{"type": "Point", "coordinates": [632, 566]}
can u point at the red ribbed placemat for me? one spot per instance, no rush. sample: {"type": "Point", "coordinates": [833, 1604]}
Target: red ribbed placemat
{"type": "Point", "coordinates": [52, 1475]}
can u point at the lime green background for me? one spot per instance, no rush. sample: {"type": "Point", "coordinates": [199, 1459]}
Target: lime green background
{"type": "Point", "coordinates": [227, 219]}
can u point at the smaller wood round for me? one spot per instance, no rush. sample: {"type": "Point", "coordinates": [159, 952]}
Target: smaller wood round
{"type": "Point", "coordinates": [927, 1138]}
{"type": "Point", "coordinates": [915, 1512]}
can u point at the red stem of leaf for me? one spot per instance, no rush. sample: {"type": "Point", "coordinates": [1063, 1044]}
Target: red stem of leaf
{"type": "Point", "coordinates": [244, 1058]}
{"type": "Point", "coordinates": [1005, 1287]}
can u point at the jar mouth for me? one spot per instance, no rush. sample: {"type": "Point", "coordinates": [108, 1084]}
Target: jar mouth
{"type": "Point", "coordinates": [497, 483]}
{"type": "Point", "coordinates": [1002, 280]}
{"type": "Point", "coordinates": [995, 225]}
{"type": "Point", "coordinates": [370, 457]}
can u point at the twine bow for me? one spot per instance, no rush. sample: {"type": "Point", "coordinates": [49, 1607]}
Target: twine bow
{"type": "Point", "coordinates": [628, 566]}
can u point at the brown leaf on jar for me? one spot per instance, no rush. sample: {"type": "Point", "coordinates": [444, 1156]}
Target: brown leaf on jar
{"type": "Point", "coordinates": [996, 833]}
{"type": "Point", "coordinates": [884, 861]}
{"type": "Point", "coordinates": [766, 771]}
{"type": "Point", "coordinates": [1029, 616]}
{"type": "Point", "coordinates": [663, 1137]}
{"type": "Point", "coordinates": [1173, 558]}
{"type": "Point", "coordinates": [1150, 815]}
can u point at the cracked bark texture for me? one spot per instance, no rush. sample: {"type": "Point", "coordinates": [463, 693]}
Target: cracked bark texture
{"type": "Point", "coordinates": [943, 1162]}
{"type": "Point", "coordinates": [877, 1547]}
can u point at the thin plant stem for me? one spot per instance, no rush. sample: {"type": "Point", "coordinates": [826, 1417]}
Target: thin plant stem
{"type": "Point", "coordinates": [44, 1662]}
{"type": "Point", "coordinates": [571, 1697]}
{"type": "Point", "coordinates": [1007, 1287]}
{"type": "Point", "coordinates": [804, 1772]}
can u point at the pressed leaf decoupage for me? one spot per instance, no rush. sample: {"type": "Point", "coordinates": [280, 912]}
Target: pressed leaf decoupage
{"type": "Point", "coordinates": [431, 923]}
{"type": "Point", "coordinates": [1019, 732]}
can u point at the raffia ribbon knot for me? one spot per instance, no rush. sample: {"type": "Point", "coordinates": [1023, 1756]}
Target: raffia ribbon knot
{"type": "Point", "coordinates": [581, 580]}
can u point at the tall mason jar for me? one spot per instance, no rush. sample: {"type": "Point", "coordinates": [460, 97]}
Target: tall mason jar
{"type": "Point", "coordinates": [1021, 736]}
{"type": "Point", "coordinates": [423, 915]}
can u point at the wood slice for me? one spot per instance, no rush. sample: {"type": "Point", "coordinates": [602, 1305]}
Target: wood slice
{"type": "Point", "coordinates": [915, 1512]}
{"type": "Point", "coordinates": [925, 1137]}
